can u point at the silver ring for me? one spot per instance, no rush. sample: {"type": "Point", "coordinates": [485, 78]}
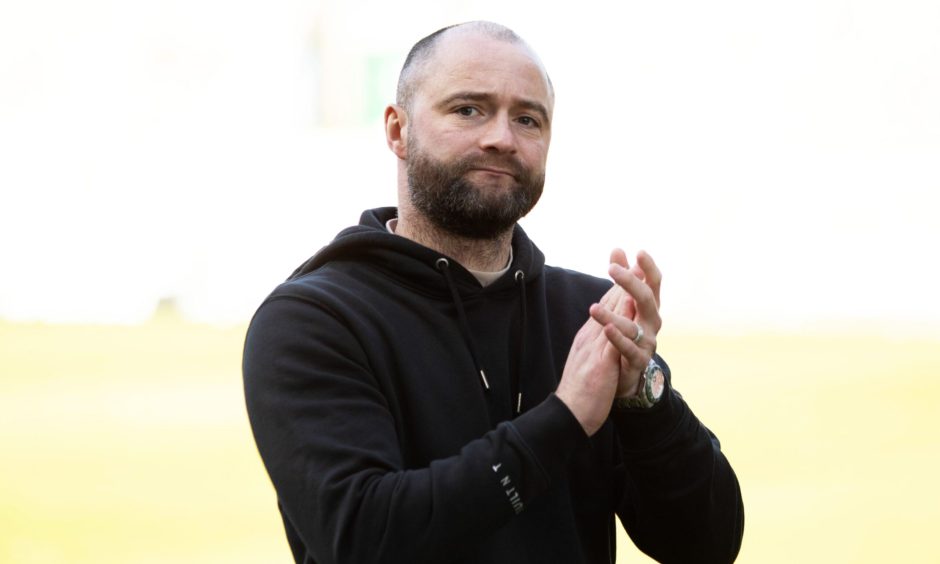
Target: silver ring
{"type": "Point", "coordinates": [639, 333]}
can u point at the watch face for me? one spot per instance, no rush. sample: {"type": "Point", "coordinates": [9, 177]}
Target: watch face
{"type": "Point", "coordinates": [658, 383]}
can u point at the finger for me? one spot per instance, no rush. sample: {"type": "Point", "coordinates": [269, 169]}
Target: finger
{"type": "Point", "coordinates": [645, 305]}
{"type": "Point", "coordinates": [613, 299]}
{"type": "Point", "coordinates": [652, 275]}
{"type": "Point", "coordinates": [638, 272]}
{"type": "Point", "coordinates": [634, 356]}
{"type": "Point", "coordinates": [617, 256]}
{"type": "Point", "coordinates": [612, 296]}
{"type": "Point", "coordinates": [611, 353]}
{"type": "Point", "coordinates": [592, 340]}
{"type": "Point", "coordinates": [621, 333]}
{"type": "Point", "coordinates": [606, 317]}
{"type": "Point", "coordinates": [619, 301]}
{"type": "Point", "coordinates": [642, 293]}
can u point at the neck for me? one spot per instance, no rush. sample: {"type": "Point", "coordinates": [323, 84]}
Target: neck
{"type": "Point", "coordinates": [484, 255]}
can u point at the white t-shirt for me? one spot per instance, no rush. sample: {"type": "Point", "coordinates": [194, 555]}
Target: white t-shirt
{"type": "Point", "coordinates": [485, 278]}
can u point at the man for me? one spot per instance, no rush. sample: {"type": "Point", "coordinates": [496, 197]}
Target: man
{"type": "Point", "coordinates": [425, 389]}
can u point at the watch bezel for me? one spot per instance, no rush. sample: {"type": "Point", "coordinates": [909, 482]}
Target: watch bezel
{"type": "Point", "coordinates": [646, 397]}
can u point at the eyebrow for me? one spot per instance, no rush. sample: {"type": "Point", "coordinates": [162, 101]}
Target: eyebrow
{"type": "Point", "coordinates": [484, 97]}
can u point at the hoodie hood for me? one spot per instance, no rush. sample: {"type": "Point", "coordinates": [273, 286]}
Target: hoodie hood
{"type": "Point", "coordinates": [415, 264]}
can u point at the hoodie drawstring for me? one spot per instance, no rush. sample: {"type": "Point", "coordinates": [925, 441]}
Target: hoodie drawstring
{"type": "Point", "coordinates": [443, 265]}
{"type": "Point", "coordinates": [520, 360]}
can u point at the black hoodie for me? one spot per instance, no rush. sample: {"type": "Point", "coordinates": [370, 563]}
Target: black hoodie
{"type": "Point", "coordinates": [383, 387]}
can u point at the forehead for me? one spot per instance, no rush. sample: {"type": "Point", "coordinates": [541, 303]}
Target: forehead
{"type": "Point", "coordinates": [467, 62]}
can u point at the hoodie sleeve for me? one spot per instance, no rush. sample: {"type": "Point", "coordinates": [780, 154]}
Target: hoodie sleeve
{"type": "Point", "coordinates": [681, 499]}
{"type": "Point", "coordinates": [328, 441]}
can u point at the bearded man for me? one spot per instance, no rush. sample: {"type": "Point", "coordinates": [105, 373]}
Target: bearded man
{"type": "Point", "coordinates": [426, 389]}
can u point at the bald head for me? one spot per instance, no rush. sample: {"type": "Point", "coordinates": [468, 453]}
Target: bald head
{"type": "Point", "coordinates": [417, 62]}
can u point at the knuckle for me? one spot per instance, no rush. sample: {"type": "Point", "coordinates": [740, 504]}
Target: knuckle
{"type": "Point", "coordinates": [645, 294]}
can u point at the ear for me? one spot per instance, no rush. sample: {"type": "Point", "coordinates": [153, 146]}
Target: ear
{"type": "Point", "coordinates": [396, 130]}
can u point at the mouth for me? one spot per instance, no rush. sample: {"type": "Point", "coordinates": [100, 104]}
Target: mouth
{"type": "Point", "coordinates": [492, 170]}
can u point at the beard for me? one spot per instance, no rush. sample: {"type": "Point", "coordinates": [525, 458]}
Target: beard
{"type": "Point", "coordinates": [441, 192]}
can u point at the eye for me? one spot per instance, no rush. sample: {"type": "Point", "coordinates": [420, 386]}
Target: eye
{"type": "Point", "coordinates": [466, 111]}
{"type": "Point", "coordinates": [528, 121]}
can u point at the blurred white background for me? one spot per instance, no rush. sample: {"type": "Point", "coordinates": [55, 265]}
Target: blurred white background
{"type": "Point", "coordinates": [780, 160]}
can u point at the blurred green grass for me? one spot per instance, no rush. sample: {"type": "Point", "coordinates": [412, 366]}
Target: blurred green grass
{"type": "Point", "coordinates": [131, 444]}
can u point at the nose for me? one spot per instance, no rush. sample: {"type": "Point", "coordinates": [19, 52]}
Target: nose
{"type": "Point", "coordinates": [498, 135]}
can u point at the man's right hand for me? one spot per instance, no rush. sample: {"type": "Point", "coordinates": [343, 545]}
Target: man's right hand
{"type": "Point", "coordinates": [590, 377]}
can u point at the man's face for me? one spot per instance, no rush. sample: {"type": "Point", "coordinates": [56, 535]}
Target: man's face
{"type": "Point", "coordinates": [478, 136]}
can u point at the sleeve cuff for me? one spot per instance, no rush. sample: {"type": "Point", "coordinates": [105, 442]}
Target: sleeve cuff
{"type": "Point", "coordinates": [552, 433]}
{"type": "Point", "coordinates": [642, 429]}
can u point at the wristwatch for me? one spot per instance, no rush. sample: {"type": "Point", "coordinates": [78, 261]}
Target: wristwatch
{"type": "Point", "coordinates": [651, 389]}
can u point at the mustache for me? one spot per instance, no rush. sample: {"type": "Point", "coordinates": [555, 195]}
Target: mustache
{"type": "Point", "coordinates": [503, 162]}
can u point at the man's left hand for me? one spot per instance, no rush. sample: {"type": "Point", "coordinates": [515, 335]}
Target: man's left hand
{"type": "Point", "coordinates": [632, 303]}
